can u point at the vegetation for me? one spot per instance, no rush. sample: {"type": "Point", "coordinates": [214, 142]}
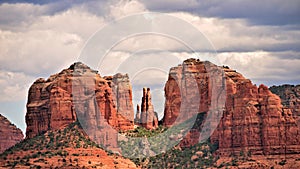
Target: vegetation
{"type": "Point", "coordinates": [48, 145]}
{"type": "Point", "coordinates": [282, 162]}
{"type": "Point", "coordinates": [197, 156]}
{"type": "Point", "coordinates": [145, 142]}
{"type": "Point", "coordinates": [142, 132]}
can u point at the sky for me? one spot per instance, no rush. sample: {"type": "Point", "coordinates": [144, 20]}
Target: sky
{"type": "Point", "coordinates": [39, 38]}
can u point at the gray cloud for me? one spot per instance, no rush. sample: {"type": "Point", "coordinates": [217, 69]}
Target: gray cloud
{"type": "Point", "coordinates": [266, 12]}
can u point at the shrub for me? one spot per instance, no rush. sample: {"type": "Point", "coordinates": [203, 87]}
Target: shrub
{"type": "Point", "coordinates": [282, 162]}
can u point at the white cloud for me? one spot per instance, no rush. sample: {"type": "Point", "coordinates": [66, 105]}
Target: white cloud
{"type": "Point", "coordinates": [264, 67]}
{"type": "Point", "coordinates": [14, 86]}
{"type": "Point", "coordinates": [74, 21]}
{"type": "Point", "coordinates": [238, 35]}
{"type": "Point", "coordinates": [147, 41]}
{"type": "Point", "coordinates": [126, 7]}
{"type": "Point", "coordinates": [171, 4]}
{"type": "Point", "coordinates": [37, 52]}
{"type": "Point", "coordinates": [49, 42]}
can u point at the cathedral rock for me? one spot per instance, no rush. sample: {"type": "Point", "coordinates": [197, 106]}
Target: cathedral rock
{"type": "Point", "coordinates": [253, 118]}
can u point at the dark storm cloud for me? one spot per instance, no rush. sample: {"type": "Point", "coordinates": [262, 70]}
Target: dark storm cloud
{"type": "Point", "coordinates": [294, 46]}
{"type": "Point", "coordinates": [60, 5]}
{"type": "Point", "coordinates": [265, 12]}
{"type": "Point", "coordinates": [24, 1]}
{"type": "Point", "coordinates": [17, 13]}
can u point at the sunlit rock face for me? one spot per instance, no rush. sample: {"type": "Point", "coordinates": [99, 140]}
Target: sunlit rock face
{"type": "Point", "coordinates": [79, 91]}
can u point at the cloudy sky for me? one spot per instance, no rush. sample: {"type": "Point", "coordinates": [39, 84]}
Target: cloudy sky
{"type": "Point", "coordinates": [40, 38]}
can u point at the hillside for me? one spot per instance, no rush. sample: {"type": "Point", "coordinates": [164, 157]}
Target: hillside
{"type": "Point", "coordinates": [67, 147]}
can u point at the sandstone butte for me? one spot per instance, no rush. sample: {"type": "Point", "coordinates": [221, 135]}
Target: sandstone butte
{"type": "Point", "coordinates": [253, 118]}
{"type": "Point", "coordinates": [146, 117]}
{"type": "Point", "coordinates": [102, 104]}
{"type": "Point", "coordinates": [9, 134]}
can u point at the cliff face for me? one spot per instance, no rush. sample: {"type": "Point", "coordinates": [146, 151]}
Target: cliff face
{"type": "Point", "coordinates": [255, 121]}
{"type": "Point", "coordinates": [9, 134]}
{"type": "Point", "coordinates": [78, 90]}
{"type": "Point", "coordinates": [49, 104]}
{"type": "Point", "coordinates": [122, 96]}
{"type": "Point", "coordinates": [191, 88]}
{"type": "Point", "coordinates": [253, 118]}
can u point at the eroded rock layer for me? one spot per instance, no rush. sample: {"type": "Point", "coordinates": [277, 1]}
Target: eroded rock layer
{"type": "Point", "coordinates": [253, 118]}
{"type": "Point", "coordinates": [78, 90]}
{"type": "Point", "coordinates": [122, 97]}
{"type": "Point", "coordinates": [9, 134]}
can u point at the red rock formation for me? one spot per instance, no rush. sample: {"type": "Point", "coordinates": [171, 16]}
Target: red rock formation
{"type": "Point", "coordinates": [148, 117]}
{"type": "Point", "coordinates": [9, 134]}
{"type": "Point", "coordinates": [253, 118]}
{"type": "Point", "coordinates": [78, 90]}
{"type": "Point", "coordinates": [191, 88]}
{"type": "Point", "coordinates": [255, 121]}
{"type": "Point", "coordinates": [122, 96]}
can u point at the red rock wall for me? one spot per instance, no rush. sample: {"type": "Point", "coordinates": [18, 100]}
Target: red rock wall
{"type": "Point", "coordinates": [253, 118]}
{"type": "Point", "coordinates": [9, 134]}
{"type": "Point", "coordinates": [255, 121]}
{"type": "Point", "coordinates": [122, 96]}
{"type": "Point", "coordinates": [49, 104]}
{"type": "Point", "coordinates": [191, 88]}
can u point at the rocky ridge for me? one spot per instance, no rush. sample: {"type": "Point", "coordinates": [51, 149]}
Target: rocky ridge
{"type": "Point", "coordinates": [9, 134]}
